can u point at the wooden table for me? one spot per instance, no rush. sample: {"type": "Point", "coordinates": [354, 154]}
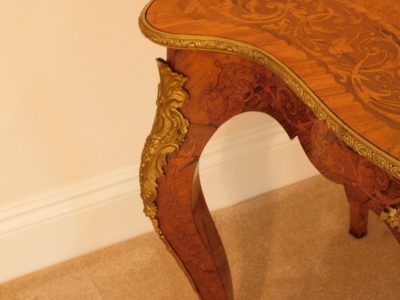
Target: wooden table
{"type": "Point", "coordinates": [328, 71]}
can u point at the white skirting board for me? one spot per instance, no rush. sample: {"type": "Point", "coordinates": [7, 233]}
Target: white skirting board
{"type": "Point", "coordinates": [86, 217]}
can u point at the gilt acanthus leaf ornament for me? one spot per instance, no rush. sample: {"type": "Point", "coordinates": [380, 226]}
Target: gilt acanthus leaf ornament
{"type": "Point", "coordinates": [392, 217]}
{"type": "Point", "coordinates": [168, 132]}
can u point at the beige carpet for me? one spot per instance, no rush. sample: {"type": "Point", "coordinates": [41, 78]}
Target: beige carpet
{"type": "Point", "coordinates": [292, 243]}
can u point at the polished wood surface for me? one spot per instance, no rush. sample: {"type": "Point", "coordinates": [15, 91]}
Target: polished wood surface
{"type": "Point", "coordinates": [235, 85]}
{"type": "Point", "coordinates": [348, 57]}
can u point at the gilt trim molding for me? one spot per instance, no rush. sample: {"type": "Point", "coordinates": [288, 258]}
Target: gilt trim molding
{"type": "Point", "coordinates": [195, 42]}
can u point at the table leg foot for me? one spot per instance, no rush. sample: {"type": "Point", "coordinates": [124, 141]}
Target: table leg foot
{"type": "Point", "coordinates": [358, 211]}
{"type": "Point", "coordinates": [358, 220]}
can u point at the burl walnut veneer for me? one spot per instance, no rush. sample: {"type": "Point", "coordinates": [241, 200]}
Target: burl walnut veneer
{"type": "Point", "coordinates": [327, 70]}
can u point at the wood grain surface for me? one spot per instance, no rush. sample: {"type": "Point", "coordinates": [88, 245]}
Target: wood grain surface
{"type": "Point", "coordinates": [222, 86]}
{"type": "Point", "coordinates": [349, 58]}
{"type": "Point", "coordinates": [347, 55]}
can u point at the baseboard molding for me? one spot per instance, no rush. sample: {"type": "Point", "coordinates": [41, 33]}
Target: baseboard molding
{"type": "Point", "coordinates": [76, 220]}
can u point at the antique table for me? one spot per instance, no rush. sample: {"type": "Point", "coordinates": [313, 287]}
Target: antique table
{"type": "Point", "coordinates": [327, 70]}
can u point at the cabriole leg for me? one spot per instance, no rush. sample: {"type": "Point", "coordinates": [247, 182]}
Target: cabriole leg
{"type": "Point", "coordinates": [172, 194]}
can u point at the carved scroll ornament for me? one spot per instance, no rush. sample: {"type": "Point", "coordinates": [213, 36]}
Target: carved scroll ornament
{"type": "Point", "coordinates": [168, 132]}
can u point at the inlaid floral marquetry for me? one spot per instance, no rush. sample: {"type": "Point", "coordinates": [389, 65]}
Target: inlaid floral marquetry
{"type": "Point", "coordinates": [355, 52]}
{"type": "Point", "coordinates": [341, 59]}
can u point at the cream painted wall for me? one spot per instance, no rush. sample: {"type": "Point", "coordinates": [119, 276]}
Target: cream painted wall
{"type": "Point", "coordinates": [77, 89]}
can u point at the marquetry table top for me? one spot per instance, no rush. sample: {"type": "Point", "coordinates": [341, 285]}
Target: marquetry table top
{"type": "Point", "coordinates": [341, 59]}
